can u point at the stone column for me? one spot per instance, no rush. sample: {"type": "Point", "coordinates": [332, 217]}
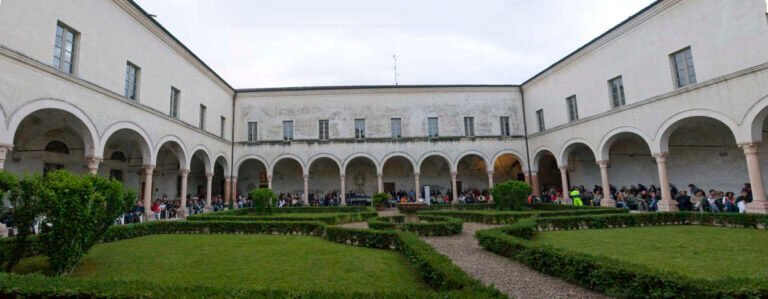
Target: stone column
{"type": "Point", "coordinates": [490, 185]}
{"type": "Point", "coordinates": [455, 194]}
{"type": "Point", "coordinates": [418, 184]}
{"type": "Point", "coordinates": [607, 201]}
{"type": "Point", "coordinates": [306, 189]}
{"type": "Point", "coordinates": [667, 203]}
{"type": "Point", "coordinates": [208, 183]}
{"type": "Point", "coordinates": [269, 182]}
{"type": "Point", "coordinates": [535, 183]}
{"type": "Point", "coordinates": [759, 203]}
{"type": "Point", "coordinates": [343, 191]}
{"type": "Point", "coordinates": [564, 179]}
{"type": "Point", "coordinates": [182, 211]}
{"type": "Point", "coordinates": [228, 192]}
{"type": "Point", "coordinates": [380, 182]}
{"type": "Point", "coordinates": [234, 187]}
{"type": "Point", "coordinates": [93, 165]}
{"type": "Point", "coordinates": [148, 173]}
{"type": "Point", "coordinates": [4, 149]}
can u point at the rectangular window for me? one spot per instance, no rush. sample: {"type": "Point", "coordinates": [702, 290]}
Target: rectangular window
{"type": "Point", "coordinates": [573, 108]}
{"type": "Point", "coordinates": [116, 174]}
{"type": "Point", "coordinates": [682, 63]}
{"type": "Point", "coordinates": [540, 119]}
{"type": "Point", "coordinates": [252, 131]}
{"type": "Point", "coordinates": [287, 130]}
{"type": "Point", "coordinates": [203, 110]}
{"type": "Point", "coordinates": [616, 85]}
{"type": "Point", "coordinates": [323, 130]}
{"type": "Point", "coordinates": [432, 129]}
{"type": "Point", "coordinates": [132, 81]}
{"type": "Point", "coordinates": [504, 121]}
{"type": "Point", "coordinates": [469, 126]}
{"type": "Point", "coordinates": [175, 98]}
{"type": "Point", "coordinates": [360, 128]}
{"type": "Point", "coordinates": [64, 49]}
{"type": "Point", "coordinates": [223, 127]}
{"type": "Point", "coordinates": [396, 126]}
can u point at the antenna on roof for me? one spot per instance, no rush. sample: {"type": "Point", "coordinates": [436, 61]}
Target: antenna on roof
{"type": "Point", "coordinates": [394, 64]}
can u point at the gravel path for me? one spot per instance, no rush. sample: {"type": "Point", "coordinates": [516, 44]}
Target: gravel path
{"type": "Point", "coordinates": [508, 276]}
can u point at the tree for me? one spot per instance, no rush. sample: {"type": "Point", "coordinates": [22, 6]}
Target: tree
{"type": "Point", "coordinates": [262, 200]}
{"type": "Point", "coordinates": [511, 195]}
{"type": "Point", "coordinates": [379, 199]}
{"type": "Point", "coordinates": [25, 208]}
{"type": "Point", "coordinates": [77, 212]}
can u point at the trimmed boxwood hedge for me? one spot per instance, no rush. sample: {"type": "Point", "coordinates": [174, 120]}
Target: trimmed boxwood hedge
{"type": "Point", "coordinates": [443, 207]}
{"type": "Point", "coordinates": [614, 277]}
{"type": "Point", "coordinates": [291, 210]}
{"type": "Point", "coordinates": [327, 218]}
{"type": "Point", "coordinates": [429, 225]}
{"type": "Point", "coordinates": [507, 217]}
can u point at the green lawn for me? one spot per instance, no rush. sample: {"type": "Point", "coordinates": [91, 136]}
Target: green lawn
{"type": "Point", "coordinates": [697, 251]}
{"type": "Point", "coordinates": [250, 261]}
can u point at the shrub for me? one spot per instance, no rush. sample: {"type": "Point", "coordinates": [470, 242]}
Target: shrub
{"type": "Point", "coordinates": [511, 195]}
{"type": "Point", "coordinates": [262, 200]}
{"type": "Point", "coordinates": [379, 199]}
{"type": "Point", "coordinates": [428, 225]}
{"type": "Point", "coordinates": [506, 217]}
{"type": "Point", "coordinates": [77, 212]}
{"type": "Point", "coordinates": [24, 198]}
{"type": "Point", "coordinates": [362, 237]}
{"type": "Point", "coordinates": [328, 218]}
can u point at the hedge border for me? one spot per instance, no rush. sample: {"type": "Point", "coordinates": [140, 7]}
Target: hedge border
{"type": "Point", "coordinates": [615, 277]}
{"type": "Point", "coordinates": [290, 210]}
{"type": "Point", "coordinates": [508, 217]}
{"type": "Point", "coordinates": [434, 225]}
{"type": "Point", "coordinates": [327, 218]}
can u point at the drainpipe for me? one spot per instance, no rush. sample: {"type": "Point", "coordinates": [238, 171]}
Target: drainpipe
{"type": "Point", "coordinates": [232, 185]}
{"type": "Point", "coordinates": [525, 130]}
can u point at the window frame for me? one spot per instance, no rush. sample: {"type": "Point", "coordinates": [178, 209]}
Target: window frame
{"type": "Point", "coordinates": [399, 132]}
{"type": "Point", "coordinates": [288, 130]}
{"type": "Point", "coordinates": [136, 80]}
{"type": "Point", "coordinates": [689, 67]}
{"type": "Point", "coordinates": [622, 98]}
{"type": "Point", "coordinates": [436, 132]}
{"type": "Point", "coordinates": [540, 120]}
{"type": "Point", "coordinates": [359, 128]}
{"type": "Point", "coordinates": [324, 127]}
{"type": "Point", "coordinates": [469, 126]}
{"type": "Point", "coordinates": [175, 103]}
{"type": "Point", "coordinates": [223, 127]}
{"type": "Point", "coordinates": [203, 114]}
{"type": "Point", "coordinates": [572, 108]}
{"type": "Point", "coordinates": [59, 44]}
{"type": "Point", "coordinates": [504, 126]}
{"type": "Point", "coordinates": [252, 131]}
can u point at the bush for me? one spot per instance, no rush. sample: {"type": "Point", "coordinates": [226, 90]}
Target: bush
{"type": "Point", "coordinates": [507, 217]}
{"type": "Point", "coordinates": [214, 227]}
{"type": "Point", "coordinates": [262, 200]}
{"type": "Point", "coordinates": [25, 200]}
{"type": "Point", "coordinates": [379, 199]}
{"type": "Point", "coordinates": [428, 225]}
{"type": "Point", "coordinates": [327, 218]}
{"type": "Point", "coordinates": [511, 195]}
{"type": "Point", "coordinates": [362, 237]}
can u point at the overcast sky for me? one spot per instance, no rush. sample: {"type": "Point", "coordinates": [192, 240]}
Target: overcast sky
{"type": "Point", "coordinates": [275, 43]}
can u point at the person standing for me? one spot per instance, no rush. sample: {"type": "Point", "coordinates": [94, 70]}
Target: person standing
{"type": "Point", "coordinates": [576, 197]}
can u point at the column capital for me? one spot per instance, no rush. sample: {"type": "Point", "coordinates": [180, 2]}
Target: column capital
{"type": "Point", "coordinates": [490, 172]}
{"type": "Point", "coordinates": [563, 168]}
{"type": "Point", "coordinates": [603, 163]}
{"type": "Point", "coordinates": [184, 172]}
{"type": "Point", "coordinates": [6, 147]}
{"type": "Point", "coordinates": [750, 148]}
{"type": "Point", "coordinates": [416, 173]}
{"type": "Point", "coordinates": [453, 174]}
{"type": "Point", "coordinates": [342, 175]}
{"type": "Point", "coordinates": [269, 177]}
{"type": "Point", "coordinates": [93, 162]}
{"type": "Point", "coordinates": [661, 157]}
{"type": "Point", "coordinates": [306, 177]}
{"type": "Point", "coordinates": [232, 177]}
{"type": "Point", "coordinates": [209, 175]}
{"type": "Point", "coordinates": [148, 169]}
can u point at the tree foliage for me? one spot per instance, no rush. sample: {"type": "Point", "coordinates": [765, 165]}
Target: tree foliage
{"type": "Point", "coordinates": [262, 200]}
{"type": "Point", "coordinates": [511, 195]}
{"type": "Point", "coordinates": [379, 199]}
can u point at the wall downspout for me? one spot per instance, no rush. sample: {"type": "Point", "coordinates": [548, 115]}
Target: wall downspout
{"type": "Point", "coordinates": [525, 132]}
{"type": "Point", "coordinates": [232, 185]}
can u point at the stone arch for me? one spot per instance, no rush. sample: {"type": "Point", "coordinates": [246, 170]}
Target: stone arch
{"type": "Point", "coordinates": [540, 152]}
{"type": "Point", "coordinates": [753, 120]}
{"type": "Point", "coordinates": [661, 141]}
{"type": "Point", "coordinates": [5, 138]}
{"type": "Point", "coordinates": [324, 155]}
{"type": "Point", "coordinates": [287, 156]}
{"type": "Point", "coordinates": [89, 135]}
{"type": "Point", "coordinates": [609, 138]}
{"type": "Point", "coordinates": [514, 153]}
{"type": "Point", "coordinates": [361, 155]}
{"type": "Point", "coordinates": [181, 154]}
{"type": "Point", "coordinates": [471, 153]}
{"type": "Point", "coordinates": [569, 146]}
{"type": "Point", "coordinates": [398, 154]}
{"type": "Point", "coordinates": [435, 153]}
{"type": "Point", "coordinates": [251, 157]}
{"type": "Point", "coordinates": [222, 157]}
{"type": "Point", "coordinates": [146, 150]}
{"type": "Point", "coordinates": [208, 161]}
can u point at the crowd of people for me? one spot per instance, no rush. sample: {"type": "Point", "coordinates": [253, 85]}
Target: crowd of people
{"type": "Point", "coordinates": [646, 198]}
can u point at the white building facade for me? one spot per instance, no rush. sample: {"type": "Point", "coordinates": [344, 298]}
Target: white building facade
{"type": "Point", "coordinates": [675, 94]}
